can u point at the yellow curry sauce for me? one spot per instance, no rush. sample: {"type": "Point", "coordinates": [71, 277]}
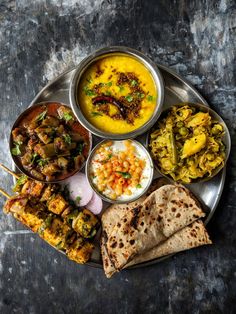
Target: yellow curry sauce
{"type": "Point", "coordinates": [117, 94]}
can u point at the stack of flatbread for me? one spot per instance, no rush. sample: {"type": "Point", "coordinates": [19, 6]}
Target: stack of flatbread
{"type": "Point", "coordinates": [166, 221]}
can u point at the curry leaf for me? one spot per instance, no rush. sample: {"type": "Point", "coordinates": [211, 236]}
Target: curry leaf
{"type": "Point", "coordinates": [96, 114]}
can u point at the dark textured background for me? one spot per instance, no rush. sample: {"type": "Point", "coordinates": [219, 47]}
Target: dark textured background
{"type": "Point", "coordinates": [40, 39]}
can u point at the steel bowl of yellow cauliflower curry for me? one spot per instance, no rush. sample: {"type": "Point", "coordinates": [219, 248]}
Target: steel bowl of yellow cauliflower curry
{"type": "Point", "coordinates": [117, 93]}
{"type": "Point", "coordinates": [189, 143]}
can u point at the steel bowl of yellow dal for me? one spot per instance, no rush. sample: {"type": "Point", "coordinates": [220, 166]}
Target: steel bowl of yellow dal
{"type": "Point", "coordinates": [117, 93]}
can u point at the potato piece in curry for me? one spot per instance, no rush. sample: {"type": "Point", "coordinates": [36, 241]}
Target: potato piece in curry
{"type": "Point", "coordinates": [187, 144]}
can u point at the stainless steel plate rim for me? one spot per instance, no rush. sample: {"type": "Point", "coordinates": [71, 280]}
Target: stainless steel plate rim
{"type": "Point", "coordinates": [63, 80]}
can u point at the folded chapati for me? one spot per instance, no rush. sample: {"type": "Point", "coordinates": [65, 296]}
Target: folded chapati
{"type": "Point", "coordinates": [113, 214]}
{"type": "Point", "coordinates": [131, 230]}
{"type": "Point", "coordinates": [189, 237]}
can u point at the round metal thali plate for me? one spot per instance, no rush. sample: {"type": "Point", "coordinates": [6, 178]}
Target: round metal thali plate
{"type": "Point", "coordinates": [177, 90]}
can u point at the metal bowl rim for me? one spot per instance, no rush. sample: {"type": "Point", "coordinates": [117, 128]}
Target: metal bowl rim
{"type": "Point", "coordinates": [142, 58]}
{"type": "Point", "coordinates": [119, 201]}
{"type": "Point", "coordinates": [18, 164]}
{"type": "Point", "coordinates": [227, 139]}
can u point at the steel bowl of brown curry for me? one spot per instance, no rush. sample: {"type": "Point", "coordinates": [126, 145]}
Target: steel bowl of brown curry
{"type": "Point", "coordinates": [47, 142]}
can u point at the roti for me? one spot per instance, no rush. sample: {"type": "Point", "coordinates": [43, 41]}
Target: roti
{"type": "Point", "coordinates": [187, 238]}
{"type": "Point", "coordinates": [133, 229]}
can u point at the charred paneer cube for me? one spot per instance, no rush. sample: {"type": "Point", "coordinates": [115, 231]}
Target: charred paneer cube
{"type": "Point", "coordinates": [31, 218]}
{"type": "Point", "coordinates": [57, 204]}
{"type": "Point", "coordinates": [48, 192]}
{"type": "Point", "coordinates": [20, 207]}
{"type": "Point", "coordinates": [33, 188]}
{"type": "Point", "coordinates": [15, 204]}
{"type": "Point", "coordinates": [85, 224]}
{"type": "Point", "coordinates": [55, 232]}
{"type": "Point", "coordinates": [80, 251]}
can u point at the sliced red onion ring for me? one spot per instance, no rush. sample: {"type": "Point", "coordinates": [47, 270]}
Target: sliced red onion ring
{"type": "Point", "coordinates": [79, 189]}
{"type": "Point", "coordinates": [95, 205]}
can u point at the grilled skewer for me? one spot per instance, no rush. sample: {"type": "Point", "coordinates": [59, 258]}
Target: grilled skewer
{"type": "Point", "coordinates": [83, 221]}
{"type": "Point", "coordinates": [50, 228]}
{"type": "Point", "coordinates": [43, 209]}
{"type": "Point", "coordinates": [4, 193]}
{"type": "Point", "coordinates": [9, 171]}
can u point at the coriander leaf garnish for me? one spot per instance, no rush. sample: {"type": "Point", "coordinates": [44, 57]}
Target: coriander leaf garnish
{"type": "Point", "coordinates": [79, 148]}
{"type": "Point", "coordinates": [16, 150]}
{"type": "Point", "coordinates": [21, 180]}
{"type": "Point", "coordinates": [109, 84]}
{"type": "Point", "coordinates": [129, 98]}
{"type": "Point", "coordinates": [89, 80]}
{"type": "Point", "coordinates": [78, 199]}
{"type": "Point", "coordinates": [41, 116]}
{"type": "Point", "coordinates": [67, 138]}
{"type": "Point", "coordinates": [125, 175]}
{"type": "Point", "coordinates": [18, 142]}
{"type": "Point", "coordinates": [67, 116]}
{"type": "Point", "coordinates": [108, 158]}
{"type": "Point", "coordinates": [96, 114]}
{"type": "Point", "coordinates": [150, 98]}
{"type": "Point", "coordinates": [42, 162]}
{"type": "Point", "coordinates": [34, 156]}
{"type": "Point", "coordinates": [121, 88]}
{"type": "Point", "coordinates": [89, 92]}
{"type": "Point", "coordinates": [140, 95]}
{"type": "Point", "coordinates": [107, 93]}
{"type": "Point", "coordinates": [134, 83]}
{"type": "Point", "coordinates": [138, 186]}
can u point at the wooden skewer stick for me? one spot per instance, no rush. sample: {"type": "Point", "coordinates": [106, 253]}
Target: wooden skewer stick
{"type": "Point", "coordinates": [4, 193]}
{"type": "Point", "coordinates": [9, 171]}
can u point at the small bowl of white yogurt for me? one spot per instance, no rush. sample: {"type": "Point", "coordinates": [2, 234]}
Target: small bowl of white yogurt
{"type": "Point", "coordinates": [119, 171]}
